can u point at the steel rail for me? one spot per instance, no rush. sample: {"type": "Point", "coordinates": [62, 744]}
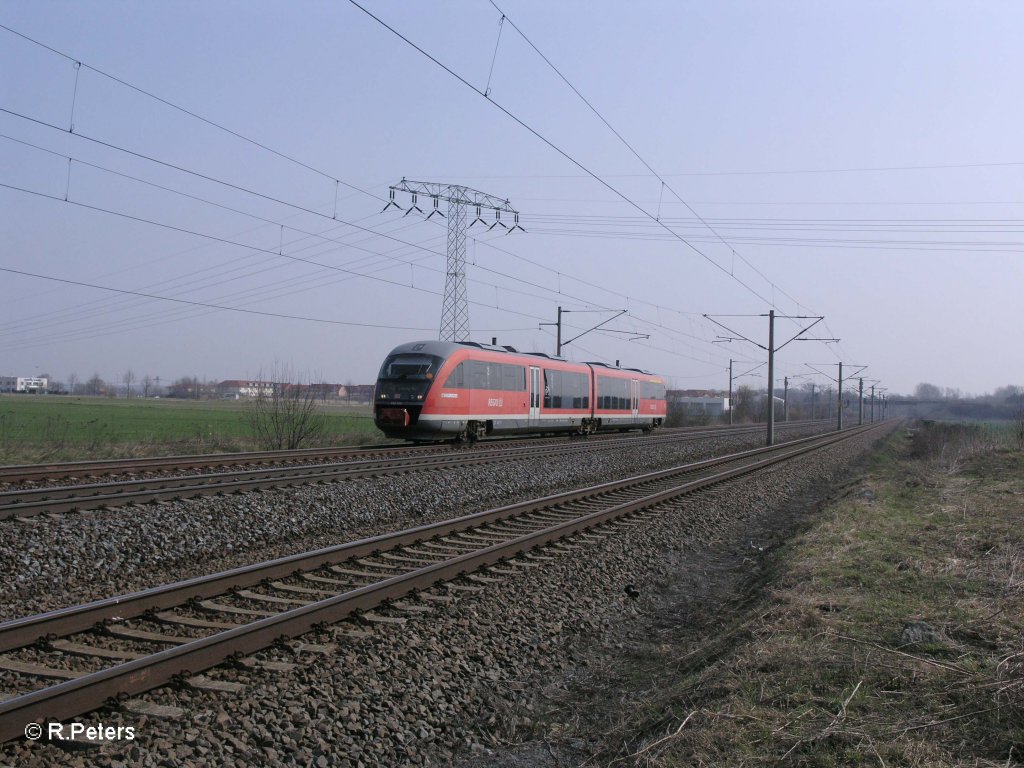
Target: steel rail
{"type": "Point", "coordinates": [17, 473]}
{"type": "Point", "coordinates": [24, 631]}
{"type": "Point", "coordinates": [26, 502]}
{"type": "Point", "coordinates": [90, 691]}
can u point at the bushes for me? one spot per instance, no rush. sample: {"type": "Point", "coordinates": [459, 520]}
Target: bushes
{"type": "Point", "coordinates": [948, 445]}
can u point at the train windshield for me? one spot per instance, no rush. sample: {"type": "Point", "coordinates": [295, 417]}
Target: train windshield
{"type": "Point", "coordinates": [410, 367]}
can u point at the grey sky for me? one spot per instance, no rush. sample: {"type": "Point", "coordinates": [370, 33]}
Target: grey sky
{"type": "Point", "coordinates": [809, 135]}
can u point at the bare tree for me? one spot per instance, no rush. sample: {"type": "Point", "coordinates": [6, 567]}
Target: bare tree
{"type": "Point", "coordinates": [183, 387]}
{"type": "Point", "coordinates": [128, 378]}
{"type": "Point", "coordinates": [744, 404]}
{"type": "Point", "coordinates": [926, 391]}
{"type": "Point", "coordinates": [72, 383]}
{"type": "Point", "coordinates": [285, 414]}
{"type": "Point", "coordinates": [96, 385]}
{"type": "Point", "coordinates": [147, 383]}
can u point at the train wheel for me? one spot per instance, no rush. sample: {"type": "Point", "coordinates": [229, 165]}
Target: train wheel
{"type": "Point", "coordinates": [476, 430]}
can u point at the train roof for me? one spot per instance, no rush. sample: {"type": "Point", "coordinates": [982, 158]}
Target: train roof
{"type": "Point", "coordinates": [618, 368]}
{"type": "Point", "coordinates": [447, 348]}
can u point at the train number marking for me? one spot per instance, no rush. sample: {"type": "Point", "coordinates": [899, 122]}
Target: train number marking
{"type": "Point", "coordinates": [495, 402]}
{"type": "Point", "coordinates": [452, 395]}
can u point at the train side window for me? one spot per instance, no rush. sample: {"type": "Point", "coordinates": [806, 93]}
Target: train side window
{"type": "Point", "coordinates": [650, 390]}
{"type": "Point", "coordinates": [513, 378]}
{"type": "Point", "coordinates": [549, 384]}
{"type": "Point", "coordinates": [456, 379]}
{"type": "Point", "coordinates": [481, 375]}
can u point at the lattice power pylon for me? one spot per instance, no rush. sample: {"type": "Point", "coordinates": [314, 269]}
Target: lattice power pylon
{"type": "Point", "coordinates": [455, 308]}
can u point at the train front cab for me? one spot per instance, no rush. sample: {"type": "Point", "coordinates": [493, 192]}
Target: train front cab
{"type": "Point", "coordinates": [430, 391]}
{"type": "Point", "coordinates": [403, 386]}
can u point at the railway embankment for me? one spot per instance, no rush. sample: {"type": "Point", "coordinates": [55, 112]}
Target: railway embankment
{"type": "Point", "coordinates": [478, 669]}
{"type": "Point", "coordinates": [882, 627]}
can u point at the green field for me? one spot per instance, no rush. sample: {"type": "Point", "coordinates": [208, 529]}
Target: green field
{"type": "Point", "coordinates": [47, 428]}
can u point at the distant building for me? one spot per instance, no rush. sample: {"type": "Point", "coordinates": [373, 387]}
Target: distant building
{"type": "Point", "coordinates": [30, 384]}
{"type": "Point", "coordinates": [243, 389]}
{"type": "Point", "coordinates": [695, 402]}
{"type": "Point", "coordinates": [356, 393]}
{"type": "Point", "coordinates": [236, 389]}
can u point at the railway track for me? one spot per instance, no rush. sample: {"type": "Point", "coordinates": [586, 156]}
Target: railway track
{"type": "Point", "coordinates": [136, 642]}
{"type": "Point", "coordinates": [28, 501]}
{"type": "Point", "coordinates": [34, 473]}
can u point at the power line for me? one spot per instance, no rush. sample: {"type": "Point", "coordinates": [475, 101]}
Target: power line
{"type": "Point", "coordinates": [637, 155]}
{"type": "Point", "coordinates": [237, 188]}
{"type": "Point", "coordinates": [233, 243]}
{"type": "Point", "coordinates": [206, 304]}
{"type": "Point", "coordinates": [230, 242]}
{"type": "Point", "coordinates": [553, 146]}
{"type": "Point", "coordinates": [764, 172]}
{"type": "Point", "coordinates": [579, 165]}
{"type": "Point", "coordinates": [201, 118]}
{"type": "Point", "coordinates": [179, 168]}
{"type": "Point", "coordinates": [188, 112]}
{"type": "Point", "coordinates": [269, 221]}
{"type": "Point", "coordinates": [276, 200]}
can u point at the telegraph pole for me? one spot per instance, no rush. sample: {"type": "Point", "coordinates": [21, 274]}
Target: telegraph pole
{"type": "Point", "coordinates": [730, 392]}
{"type": "Point", "coordinates": [771, 377]}
{"type": "Point", "coordinates": [455, 307]}
{"type": "Point", "coordinates": [771, 349]}
{"type": "Point", "coordinates": [732, 378]}
{"type": "Point", "coordinates": [558, 327]}
{"type": "Point", "coordinates": [785, 399]}
{"type": "Point", "coordinates": [839, 382]}
{"type": "Point", "coordinates": [860, 403]}
{"type": "Point", "coordinates": [839, 399]}
{"type": "Point", "coordinates": [872, 403]}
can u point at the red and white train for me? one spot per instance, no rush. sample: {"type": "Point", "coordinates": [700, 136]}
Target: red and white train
{"type": "Point", "coordinates": [436, 390]}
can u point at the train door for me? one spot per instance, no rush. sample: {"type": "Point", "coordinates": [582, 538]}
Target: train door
{"type": "Point", "coordinates": [536, 392]}
{"type": "Point", "coordinates": [636, 402]}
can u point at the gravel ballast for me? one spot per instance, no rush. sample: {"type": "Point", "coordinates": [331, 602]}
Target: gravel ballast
{"type": "Point", "coordinates": [52, 562]}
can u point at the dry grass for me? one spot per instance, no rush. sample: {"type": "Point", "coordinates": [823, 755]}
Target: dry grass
{"type": "Point", "coordinates": [892, 634]}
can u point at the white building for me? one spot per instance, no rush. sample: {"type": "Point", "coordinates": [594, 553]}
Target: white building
{"type": "Point", "coordinates": [31, 384]}
{"type": "Point", "coordinates": [694, 405]}
{"type": "Point", "coordinates": [235, 389]}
